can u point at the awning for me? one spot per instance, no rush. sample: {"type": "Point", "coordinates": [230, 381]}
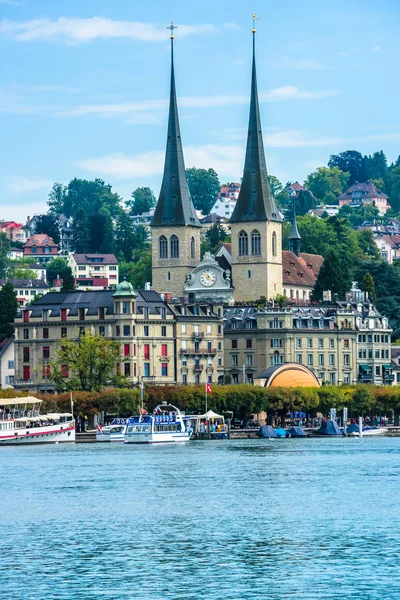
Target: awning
{"type": "Point", "coordinates": [365, 367]}
{"type": "Point", "coordinates": [387, 367]}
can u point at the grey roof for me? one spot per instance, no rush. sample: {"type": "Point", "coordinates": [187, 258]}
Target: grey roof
{"type": "Point", "coordinates": [255, 201]}
{"type": "Point", "coordinates": [90, 259]}
{"type": "Point", "coordinates": [27, 283]}
{"type": "Point", "coordinates": [37, 266]}
{"type": "Point", "coordinates": [92, 300]}
{"type": "Point", "coordinates": [175, 206]}
{"type": "Point", "coordinates": [294, 234]}
{"type": "Point", "coordinates": [6, 344]}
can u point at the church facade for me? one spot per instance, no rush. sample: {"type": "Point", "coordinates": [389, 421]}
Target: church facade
{"type": "Point", "coordinates": [255, 266]}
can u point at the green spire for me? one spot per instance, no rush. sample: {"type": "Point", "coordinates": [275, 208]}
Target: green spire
{"type": "Point", "coordinates": [174, 206]}
{"type": "Point", "coordinates": [255, 202]}
{"type": "Point", "coordinates": [294, 237]}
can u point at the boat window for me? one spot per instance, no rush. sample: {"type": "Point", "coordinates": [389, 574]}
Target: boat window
{"type": "Point", "coordinates": [130, 428]}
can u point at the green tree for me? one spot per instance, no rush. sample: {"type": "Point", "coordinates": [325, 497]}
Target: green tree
{"type": "Point", "coordinates": [368, 285]}
{"type": "Point", "coordinates": [305, 201]}
{"type": "Point", "coordinates": [107, 244]}
{"type": "Point", "coordinates": [204, 186]}
{"type": "Point", "coordinates": [8, 310]}
{"type": "Point", "coordinates": [275, 185]}
{"type": "Point", "coordinates": [142, 201]}
{"type": "Point", "coordinates": [376, 166]}
{"type": "Point", "coordinates": [351, 162]}
{"type": "Point", "coordinates": [21, 273]}
{"type": "Point", "coordinates": [327, 182]}
{"type": "Point", "coordinates": [49, 225]}
{"type": "Point", "coordinates": [393, 185]}
{"type": "Point", "coordinates": [334, 275]}
{"type": "Point", "coordinates": [137, 273]}
{"type": "Point", "coordinates": [68, 281]}
{"type": "Point", "coordinates": [215, 236]}
{"type": "Point", "coordinates": [367, 244]}
{"type": "Point", "coordinates": [124, 236]}
{"type": "Point", "coordinates": [81, 232]}
{"type": "Point", "coordinates": [58, 268]}
{"type": "Point", "coordinates": [357, 216]}
{"type": "Point", "coordinates": [57, 200]}
{"type": "Point", "coordinates": [4, 248]}
{"type": "Point", "coordinates": [90, 361]}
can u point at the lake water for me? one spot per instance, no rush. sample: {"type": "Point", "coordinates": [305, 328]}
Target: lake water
{"type": "Point", "coordinates": [241, 519]}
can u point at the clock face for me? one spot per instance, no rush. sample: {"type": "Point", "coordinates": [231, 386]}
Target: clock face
{"type": "Point", "coordinates": [208, 278]}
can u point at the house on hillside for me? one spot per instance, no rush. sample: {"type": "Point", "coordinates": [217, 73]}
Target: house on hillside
{"type": "Point", "coordinates": [226, 201]}
{"type": "Point", "coordinates": [27, 289]}
{"type": "Point", "coordinates": [41, 248]}
{"type": "Point", "coordinates": [7, 371]}
{"type": "Point", "coordinates": [365, 193]}
{"type": "Point", "coordinates": [94, 270]}
{"type": "Point", "coordinates": [293, 189]}
{"type": "Point", "coordinates": [13, 230]}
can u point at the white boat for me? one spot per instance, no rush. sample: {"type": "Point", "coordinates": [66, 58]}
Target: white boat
{"type": "Point", "coordinates": [165, 425]}
{"type": "Point", "coordinates": [367, 431]}
{"type": "Point", "coordinates": [114, 432]}
{"type": "Point", "coordinates": [22, 423]}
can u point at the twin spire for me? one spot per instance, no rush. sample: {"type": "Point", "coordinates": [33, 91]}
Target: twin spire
{"type": "Point", "coordinates": [255, 202]}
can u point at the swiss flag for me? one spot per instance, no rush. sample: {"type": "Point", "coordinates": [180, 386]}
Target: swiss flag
{"type": "Point", "coordinates": [142, 411]}
{"type": "Point", "coordinates": [208, 388]}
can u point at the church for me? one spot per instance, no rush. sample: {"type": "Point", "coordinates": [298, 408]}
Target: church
{"type": "Point", "coordinates": [254, 264]}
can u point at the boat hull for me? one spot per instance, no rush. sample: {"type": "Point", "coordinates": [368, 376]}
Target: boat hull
{"type": "Point", "coordinates": [107, 437]}
{"type": "Point", "coordinates": [156, 438]}
{"type": "Point", "coordinates": [369, 432]}
{"type": "Point", "coordinates": [39, 435]}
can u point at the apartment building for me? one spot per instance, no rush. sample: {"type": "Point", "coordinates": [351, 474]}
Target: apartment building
{"type": "Point", "coordinates": [342, 343]}
{"type": "Point", "coordinates": [41, 248]}
{"type": "Point", "coordinates": [94, 270]}
{"type": "Point", "coordinates": [145, 325]}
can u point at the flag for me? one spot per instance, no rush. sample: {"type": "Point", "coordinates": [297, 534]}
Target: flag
{"type": "Point", "coordinates": [142, 411]}
{"type": "Point", "coordinates": [208, 388]}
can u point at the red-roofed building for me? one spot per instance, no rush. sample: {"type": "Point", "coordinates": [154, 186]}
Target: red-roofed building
{"type": "Point", "coordinates": [41, 248]}
{"type": "Point", "coordinates": [13, 230]}
{"type": "Point", "coordinates": [226, 201]}
{"type": "Point", "coordinates": [365, 193]}
{"type": "Point", "coordinates": [299, 274]}
{"type": "Point", "coordinates": [293, 189]}
{"type": "Point", "coordinates": [389, 246]}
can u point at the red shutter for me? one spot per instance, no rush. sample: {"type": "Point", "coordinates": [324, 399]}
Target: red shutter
{"type": "Point", "coordinates": [147, 351]}
{"type": "Point", "coordinates": [164, 350]}
{"type": "Point", "coordinates": [26, 316]}
{"type": "Point", "coordinates": [64, 370]}
{"type": "Point", "coordinates": [127, 349]}
{"type": "Point", "coordinates": [27, 373]}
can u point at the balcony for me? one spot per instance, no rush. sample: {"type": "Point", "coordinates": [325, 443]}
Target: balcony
{"type": "Point", "coordinates": [194, 352]}
{"type": "Point", "coordinates": [198, 368]}
{"type": "Point", "coordinates": [388, 378]}
{"type": "Point", "coordinates": [199, 335]}
{"type": "Point", "coordinates": [366, 378]}
{"type": "Point", "coordinates": [24, 383]}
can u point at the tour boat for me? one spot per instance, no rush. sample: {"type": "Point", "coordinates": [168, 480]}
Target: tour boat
{"type": "Point", "coordinates": [354, 430]}
{"type": "Point", "coordinates": [165, 425]}
{"type": "Point", "coordinates": [114, 432]}
{"type": "Point", "coordinates": [22, 423]}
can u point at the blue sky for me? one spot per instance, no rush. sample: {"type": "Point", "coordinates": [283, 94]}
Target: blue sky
{"type": "Point", "coordinates": [84, 88]}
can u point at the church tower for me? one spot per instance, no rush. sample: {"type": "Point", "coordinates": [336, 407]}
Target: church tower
{"type": "Point", "coordinates": [175, 228]}
{"type": "Point", "coordinates": [256, 223]}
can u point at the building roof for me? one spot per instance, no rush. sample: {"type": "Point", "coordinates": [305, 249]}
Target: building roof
{"type": "Point", "coordinates": [125, 289]}
{"type": "Point", "coordinates": [255, 201]}
{"type": "Point", "coordinates": [367, 189]}
{"type": "Point", "coordinates": [5, 344]}
{"type": "Point", "coordinates": [213, 218]}
{"type": "Point", "coordinates": [294, 234]}
{"type": "Point", "coordinates": [300, 270]}
{"type": "Point", "coordinates": [40, 239]}
{"type": "Point", "coordinates": [296, 186]}
{"type": "Point", "coordinates": [27, 283]}
{"type": "Point", "coordinates": [37, 266]}
{"type": "Point", "coordinates": [89, 259]}
{"type": "Point", "coordinates": [10, 225]}
{"type": "Point", "coordinates": [174, 206]}
{"type": "Point", "coordinates": [92, 300]}
{"type": "Point", "coordinates": [391, 240]}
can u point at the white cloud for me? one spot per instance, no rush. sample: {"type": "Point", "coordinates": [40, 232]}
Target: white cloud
{"type": "Point", "coordinates": [10, 2]}
{"type": "Point", "coordinates": [19, 211]}
{"type": "Point", "coordinates": [127, 108]}
{"type": "Point", "coordinates": [24, 185]}
{"type": "Point", "coordinates": [377, 49]}
{"type": "Point", "coordinates": [289, 63]}
{"type": "Point", "coordinates": [232, 26]}
{"type": "Point", "coordinates": [78, 30]}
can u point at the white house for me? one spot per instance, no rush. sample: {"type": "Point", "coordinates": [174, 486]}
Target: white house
{"type": "Point", "coordinates": [226, 201]}
{"type": "Point", "coordinates": [94, 270]}
{"type": "Point", "coordinates": [7, 371]}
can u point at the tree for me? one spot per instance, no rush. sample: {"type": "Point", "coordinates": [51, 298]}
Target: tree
{"type": "Point", "coordinates": [334, 275]}
{"type": "Point", "coordinates": [142, 201]}
{"type": "Point", "coordinates": [137, 273]}
{"type": "Point", "coordinates": [90, 361]}
{"type": "Point", "coordinates": [204, 186]}
{"type": "Point", "coordinates": [357, 216]}
{"type": "Point", "coordinates": [57, 200]}
{"type": "Point", "coordinates": [58, 269]}
{"type": "Point", "coordinates": [367, 244]}
{"type": "Point", "coordinates": [275, 185]}
{"type": "Point", "coordinates": [49, 225]}
{"type": "Point", "coordinates": [124, 236]}
{"type": "Point", "coordinates": [368, 285]}
{"type": "Point", "coordinates": [4, 248]}
{"type": "Point", "coordinates": [215, 235]}
{"type": "Point", "coordinates": [8, 310]}
{"type": "Point", "coordinates": [376, 166]}
{"type": "Point", "coordinates": [327, 182]}
{"type": "Point", "coordinates": [393, 185]}
{"type": "Point", "coordinates": [107, 244]}
{"type": "Point", "coordinates": [305, 201]}
{"type": "Point", "coordinates": [351, 162]}
{"type": "Point", "coordinates": [81, 232]}
{"type": "Point", "coordinates": [21, 273]}
{"type": "Point", "coordinates": [68, 281]}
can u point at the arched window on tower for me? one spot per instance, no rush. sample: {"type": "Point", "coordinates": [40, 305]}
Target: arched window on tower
{"type": "Point", "coordinates": [192, 248]}
{"type": "Point", "coordinates": [243, 244]}
{"type": "Point", "coordinates": [274, 244]}
{"type": "Point", "coordinates": [174, 247]}
{"type": "Point", "coordinates": [255, 243]}
{"type": "Point", "coordinates": [163, 243]}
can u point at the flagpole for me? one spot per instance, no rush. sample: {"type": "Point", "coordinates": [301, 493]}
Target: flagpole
{"type": "Point", "coordinates": [206, 399]}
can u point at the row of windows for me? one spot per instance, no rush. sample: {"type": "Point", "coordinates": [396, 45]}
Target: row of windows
{"type": "Point", "coordinates": [255, 239]}
{"type": "Point", "coordinates": [174, 247]}
{"type": "Point", "coordinates": [363, 338]}
{"type": "Point", "coordinates": [364, 353]}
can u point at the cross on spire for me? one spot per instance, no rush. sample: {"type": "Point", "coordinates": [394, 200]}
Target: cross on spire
{"type": "Point", "coordinates": [171, 27]}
